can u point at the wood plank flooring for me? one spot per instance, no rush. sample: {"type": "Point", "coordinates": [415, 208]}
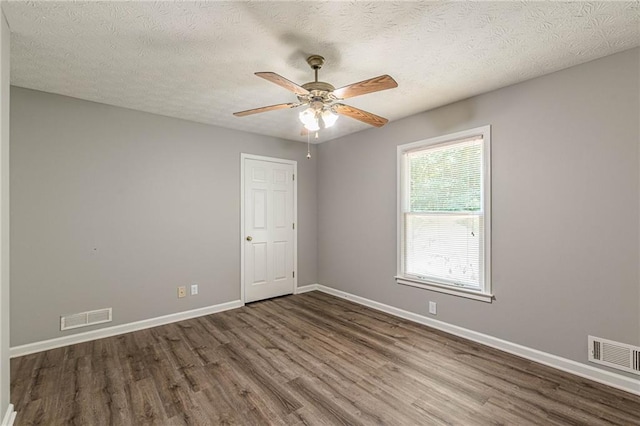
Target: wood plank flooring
{"type": "Point", "coordinates": [309, 359]}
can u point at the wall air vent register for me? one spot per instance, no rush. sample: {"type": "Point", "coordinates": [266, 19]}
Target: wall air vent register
{"type": "Point", "coordinates": [84, 319]}
{"type": "Point", "coordinates": [614, 354]}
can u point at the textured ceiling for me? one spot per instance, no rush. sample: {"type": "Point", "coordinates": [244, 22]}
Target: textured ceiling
{"type": "Point", "coordinates": [195, 60]}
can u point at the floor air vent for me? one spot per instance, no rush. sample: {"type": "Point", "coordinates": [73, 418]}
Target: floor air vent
{"type": "Point", "coordinates": [84, 319]}
{"type": "Point", "coordinates": [614, 354]}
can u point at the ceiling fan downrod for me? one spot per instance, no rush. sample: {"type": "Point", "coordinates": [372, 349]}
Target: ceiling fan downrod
{"type": "Point", "coordinates": [315, 62]}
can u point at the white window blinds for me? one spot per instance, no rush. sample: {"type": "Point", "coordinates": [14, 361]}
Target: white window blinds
{"type": "Point", "coordinates": [443, 213]}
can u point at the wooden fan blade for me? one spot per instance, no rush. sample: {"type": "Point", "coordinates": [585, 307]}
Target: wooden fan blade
{"type": "Point", "coordinates": [358, 114]}
{"type": "Point", "coordinates": [382, 82]}
{"type": "Point", "coordinates": [265, 109]}
{"type": "Point", "coordinates": [283, 82]}
{"type": "Point", "coordinates": [304, 131]}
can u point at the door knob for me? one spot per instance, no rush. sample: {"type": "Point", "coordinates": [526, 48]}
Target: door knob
{"type": "Point", "coordinates": [249, 238]}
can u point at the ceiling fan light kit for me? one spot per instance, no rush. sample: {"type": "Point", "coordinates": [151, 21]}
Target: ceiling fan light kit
{"type": "Point", "coordinates": [323, 99]}
{"type": "Point", "coordinates": [318, 116]}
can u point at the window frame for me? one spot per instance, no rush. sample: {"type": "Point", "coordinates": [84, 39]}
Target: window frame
{"type": "Point", "coordinates": [485, 293]}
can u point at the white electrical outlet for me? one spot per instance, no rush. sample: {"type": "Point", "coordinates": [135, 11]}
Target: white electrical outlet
{"type": "Point", "coordinates": [433, 308]}
{"type": "Point", "coordinates": [194, 289]}
{"type": "Point", "coordinates": [182, 291]}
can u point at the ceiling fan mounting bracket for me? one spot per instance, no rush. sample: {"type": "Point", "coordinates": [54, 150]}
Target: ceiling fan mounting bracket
{"type": "Point", "coordinates": [315, 62]}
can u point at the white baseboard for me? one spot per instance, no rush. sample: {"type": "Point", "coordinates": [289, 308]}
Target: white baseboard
{"type": "Point", "coordinates": [9, 417]}
{"type": "Point", "coordinates": [58, 342]}
{"type": "Point", "coordinates": [306, 288]}
{"type": "Point", "coordinates": [588, 372]}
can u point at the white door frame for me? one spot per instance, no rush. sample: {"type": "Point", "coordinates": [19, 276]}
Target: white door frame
{"type": "Point", "coordinates": [294, 163]}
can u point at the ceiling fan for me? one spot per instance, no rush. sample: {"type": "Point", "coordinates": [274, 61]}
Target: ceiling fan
{"type": "Point", "coordinates": [324, 100]}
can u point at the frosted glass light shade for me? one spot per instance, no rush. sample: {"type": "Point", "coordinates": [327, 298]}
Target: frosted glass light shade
{"type": "Point", "coordinates": [308, 116]}
{"type": "Point", "coordinates": [329, 118]}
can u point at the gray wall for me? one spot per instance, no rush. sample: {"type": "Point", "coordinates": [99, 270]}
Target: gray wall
{"type": "Point", "coordinates": [565, 162]}
{"type": "Point", "coordinates": [114, 207]}
{"type": "Point", "coordinates": [4, 215]}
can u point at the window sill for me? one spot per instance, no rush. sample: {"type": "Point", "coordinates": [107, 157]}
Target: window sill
{"type": "Point", "coordinates": [461, 292]}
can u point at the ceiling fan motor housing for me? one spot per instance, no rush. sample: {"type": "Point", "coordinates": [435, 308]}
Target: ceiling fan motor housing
{"type": "Point", "coordinates": [318, 91]}
{"type": "Point", "coordinates": [320, 86]}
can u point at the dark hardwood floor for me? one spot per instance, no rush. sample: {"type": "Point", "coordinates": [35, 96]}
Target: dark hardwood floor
{"type": "Point", "coordinates": [305, 359]}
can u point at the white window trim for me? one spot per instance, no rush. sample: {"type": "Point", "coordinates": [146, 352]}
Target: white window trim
{"type": "Point", "coordinates": [485, 294]}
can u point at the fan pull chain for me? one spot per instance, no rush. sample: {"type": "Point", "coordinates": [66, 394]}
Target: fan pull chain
{"type": "Point", "coordinates": [308, 148]}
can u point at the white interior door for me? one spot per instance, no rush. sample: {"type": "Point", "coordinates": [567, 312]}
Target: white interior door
{"type": "Point", "coordinates": [268, 238]}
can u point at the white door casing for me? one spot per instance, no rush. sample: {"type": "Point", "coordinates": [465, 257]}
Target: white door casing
{"type": "Point", "coordinates": [268, 227]}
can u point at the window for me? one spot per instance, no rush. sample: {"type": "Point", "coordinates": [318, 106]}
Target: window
{"type": "Point", "coordinates": [444, 214]}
